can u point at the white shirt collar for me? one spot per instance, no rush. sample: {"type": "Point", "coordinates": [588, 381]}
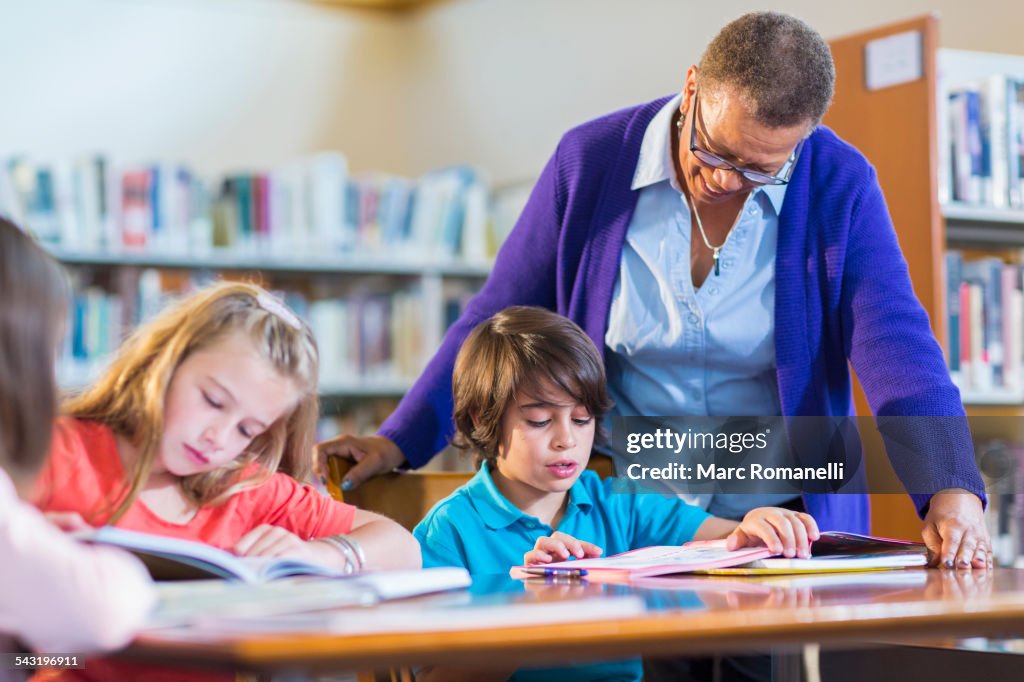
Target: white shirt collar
{"type": "Point", "coordinates": [656, 163]}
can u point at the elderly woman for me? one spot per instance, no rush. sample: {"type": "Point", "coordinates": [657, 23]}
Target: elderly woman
{"type": "Point", "coordinates": [731, 256]}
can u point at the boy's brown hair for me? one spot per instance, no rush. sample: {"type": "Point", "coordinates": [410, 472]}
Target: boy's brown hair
{"type": "Point", "coordinates": [511, 354]}
{"type": "Point", "coordinates": [33, 306]}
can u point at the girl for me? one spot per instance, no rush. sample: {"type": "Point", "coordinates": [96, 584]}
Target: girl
{"type": "Point", "coordinates": [186, 431]}
{"type": "Point", "coordinates": [57, 595]}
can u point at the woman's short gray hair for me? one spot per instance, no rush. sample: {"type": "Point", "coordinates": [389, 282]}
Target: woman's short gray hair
{"type": "Point", "coordinates": [781, 66]}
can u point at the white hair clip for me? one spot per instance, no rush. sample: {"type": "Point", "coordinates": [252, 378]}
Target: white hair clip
{"type": "Point", "coordinates": [275, 307]}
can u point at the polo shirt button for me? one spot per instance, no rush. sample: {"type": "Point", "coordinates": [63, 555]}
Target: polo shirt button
{"type": "Point", "coordinates": [713, 291]}
{"type": "Point", "coordinates": [694, 319]}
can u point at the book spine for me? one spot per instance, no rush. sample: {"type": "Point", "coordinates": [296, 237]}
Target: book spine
{"type": "Point", "coordinates": [1016, 151]}
{"type": "Point", "coordinates": [976, 148]}
{"type": "Point", "coordinates": [1011, 354]}
{"type": "Point", "coordinates": [993, 268]}
{"type": "Point", "coordinates": [965, 335]}
{"type": "Point", "coordinates": [953, 277]}
{"type": "Point", "coordinates": [996, 105]}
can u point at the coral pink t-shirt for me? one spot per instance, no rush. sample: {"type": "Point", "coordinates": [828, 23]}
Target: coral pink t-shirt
{"type": "Point", "coordinates": [85, 474]}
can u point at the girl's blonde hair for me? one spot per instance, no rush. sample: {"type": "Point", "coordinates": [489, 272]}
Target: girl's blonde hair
{"type": "Point", "coordinates": [130, 396]}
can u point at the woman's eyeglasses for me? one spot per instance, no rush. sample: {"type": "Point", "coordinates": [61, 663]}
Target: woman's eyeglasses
{"type": "Point", "coordinates": [781, 177]}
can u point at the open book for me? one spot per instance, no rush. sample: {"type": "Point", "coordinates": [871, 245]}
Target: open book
{"type": "Point", "coordinates": [839, 552]}
{"type": "Point", "coordinates": [447, 611]}
{"type": "Point", "coordinates": [196, 602]}
{"type": "Point", "coordinates": [176, 559]}
{"type": "Point", "coordinates": [834, 551]}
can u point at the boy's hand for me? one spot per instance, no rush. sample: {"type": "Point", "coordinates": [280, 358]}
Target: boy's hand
{"type": "Point", "coordinates": [784, 532]}
{"type": "Point", "coordinates": [559, 547]}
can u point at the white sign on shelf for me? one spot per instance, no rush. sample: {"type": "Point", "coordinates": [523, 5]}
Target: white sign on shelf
{"type": "Point", "coordinates": [893, 60]}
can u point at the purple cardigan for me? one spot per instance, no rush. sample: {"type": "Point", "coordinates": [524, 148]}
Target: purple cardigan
{"type": "Point", "coordinates": [843, 296]}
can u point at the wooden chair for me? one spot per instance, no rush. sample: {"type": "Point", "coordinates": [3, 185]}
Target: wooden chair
{"type": "Point", "coordinates": [407, 496]}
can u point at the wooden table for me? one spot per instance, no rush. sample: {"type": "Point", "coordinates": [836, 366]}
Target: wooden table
{"type": "Point", "coordinates": [697, 616]}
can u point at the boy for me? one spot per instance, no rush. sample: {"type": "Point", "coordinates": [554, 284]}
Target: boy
{"type": "Point", "coordinates": [529, 390]}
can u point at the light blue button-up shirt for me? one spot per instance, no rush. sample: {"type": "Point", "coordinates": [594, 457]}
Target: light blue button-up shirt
{"type": "Point", "coordinates": [678, 351]}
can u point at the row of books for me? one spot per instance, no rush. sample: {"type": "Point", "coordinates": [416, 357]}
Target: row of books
{"type": "Point", "coordinates": [984, 161]}
{"type": "Point", "coordinates": [986, 324]}
{"type": "Point", "coordinates": [376, 337]}
{"type": "Point", "coordinates": [310, 208]}
{"type": "Point", "coordinates": [366, 338]}
{"type": "Point", "coordinates": [362, 419]}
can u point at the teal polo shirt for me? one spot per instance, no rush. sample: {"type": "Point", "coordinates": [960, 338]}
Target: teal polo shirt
{"type": "Point", "coordinates": [477, 528]}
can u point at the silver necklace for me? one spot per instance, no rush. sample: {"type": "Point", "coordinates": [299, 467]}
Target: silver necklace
{"type": "Point", "coordinates": [715, 250]}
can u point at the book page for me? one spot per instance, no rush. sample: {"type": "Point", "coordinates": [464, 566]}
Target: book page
{"type": "Point", "coordinates": [176, 559]}
{"type": "Point", "coordinates": [171, 558]}
{"type": "Point", "coordinates": [668, 559]}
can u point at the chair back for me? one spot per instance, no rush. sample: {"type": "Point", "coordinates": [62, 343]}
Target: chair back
{"type": "Point", "coordinates": [407, 496]}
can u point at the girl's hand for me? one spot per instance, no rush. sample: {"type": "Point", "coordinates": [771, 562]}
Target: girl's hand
{"type": "Point", "coordinates": [267, 540]}
{"type": "Point", "coordinates": [69, 522]}
{"type": "Point", "coordinates": [784, 532]}
{"type": "Point", "coordinates": [559, 547]}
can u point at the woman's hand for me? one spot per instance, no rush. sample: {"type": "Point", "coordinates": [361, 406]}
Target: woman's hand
{"type": "Point", "coordinates": [784, 532]}
{"type": "Point", "coordinates": [373, 455]}
{"type": "Point", "coordinates": [559, 547]}
{"type": "Point", "coordinates": [955, 532]}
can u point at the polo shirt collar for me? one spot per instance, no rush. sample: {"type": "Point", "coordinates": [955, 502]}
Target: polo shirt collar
{"type": "Point", "coordinates": [498, 513]}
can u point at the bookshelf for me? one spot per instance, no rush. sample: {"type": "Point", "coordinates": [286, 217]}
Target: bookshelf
{"type": "Point", "coordinates": [433, 286]}
{"type": "Point", "coordinates": [378, 265]}
{"type": "Point", "coordinates": [429, 288]}
{"type": "Point", "coordinates": [904, 130]}
{"type": "Point", "coordinates": [341, 264]}
{"type": "Point", "coordinates": [397, 313]}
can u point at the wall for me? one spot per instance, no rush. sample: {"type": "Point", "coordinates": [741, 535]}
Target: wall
{"type": "Point", "coordinates": [222, 84]}
{"type": "Point", "coordinates": [504, 78]}
{"type": "Point", "coordinates": [228, 84]}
